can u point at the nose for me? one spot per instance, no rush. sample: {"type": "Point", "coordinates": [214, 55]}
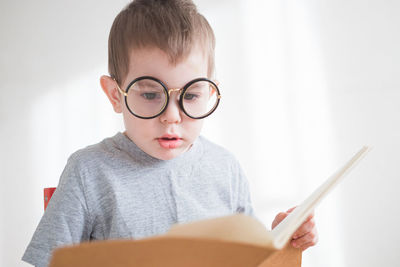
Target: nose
{"type": "Point", "coordinates": [172, 114]}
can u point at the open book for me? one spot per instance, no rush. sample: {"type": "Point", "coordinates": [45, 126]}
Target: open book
{"type": "Point", "coordinates": [235, 240]}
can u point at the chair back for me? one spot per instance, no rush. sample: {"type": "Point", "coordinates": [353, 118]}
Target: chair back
{"type": "Point", "coordinates": [48, 193]}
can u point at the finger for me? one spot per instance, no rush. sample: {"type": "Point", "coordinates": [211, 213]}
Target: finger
{"type": "Point", "coordinates": [306, 245]}
{"type": "Point", "coordinates": [304, 229]}
{"type": "Point", "coordinates": [278, 219]}
{"type": "Point", "coordinates": [310, 216]}
{"type": "Point", "coordinates": [291, 209]}
{"type": "Point", "coordinates": [306, 241]}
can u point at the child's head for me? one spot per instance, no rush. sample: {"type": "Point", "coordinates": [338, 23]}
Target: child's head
{"type": "Point", "coordinates": [171, 44]}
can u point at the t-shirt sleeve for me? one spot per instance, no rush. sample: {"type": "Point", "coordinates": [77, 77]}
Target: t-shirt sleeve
{"type": "Point", "coordinates": [66, 220]}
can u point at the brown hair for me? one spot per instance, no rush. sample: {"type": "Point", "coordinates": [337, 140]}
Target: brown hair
{"type": "Point", "coordinates": [174, 26]}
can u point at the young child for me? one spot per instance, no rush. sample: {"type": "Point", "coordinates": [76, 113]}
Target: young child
{"type": "Point", "coordinates": [159, 171]}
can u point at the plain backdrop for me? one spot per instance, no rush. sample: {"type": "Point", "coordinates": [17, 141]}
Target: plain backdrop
{"type": "Point", "coordinates": [304, 85]}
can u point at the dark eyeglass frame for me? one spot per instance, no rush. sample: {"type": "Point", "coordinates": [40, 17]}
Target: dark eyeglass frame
{"type": "Point", "coordinates": [167, 93]}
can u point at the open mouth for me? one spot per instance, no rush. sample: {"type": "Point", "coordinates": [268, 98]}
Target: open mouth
{"type": "Point", "coordinates": [170, 141]}
{"type": "Point", "coordinates": [169, 138]}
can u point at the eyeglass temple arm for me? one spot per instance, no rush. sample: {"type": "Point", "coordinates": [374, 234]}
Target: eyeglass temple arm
{"type": "Point", "coordinates": [120, 90]}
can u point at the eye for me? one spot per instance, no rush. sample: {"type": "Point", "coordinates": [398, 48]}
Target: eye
{"type": "Point", "coordinates": [190, 96]}
{"type": "Point", "coordinates": [150, 96]}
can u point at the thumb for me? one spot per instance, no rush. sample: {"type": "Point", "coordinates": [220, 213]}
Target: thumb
{"type": "Point", "coordinates": [278, 219]}
{"type": "Point", "coordinates": [291, 209]}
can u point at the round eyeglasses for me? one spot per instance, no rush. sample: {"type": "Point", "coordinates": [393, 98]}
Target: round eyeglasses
{"type": "Point", "coordinates": [147, 97]}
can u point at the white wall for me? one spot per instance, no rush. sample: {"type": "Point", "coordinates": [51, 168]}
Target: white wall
{"type": "Point", "coordinates": [305, 84]}
{"type": "Point", "coordinates": [52, 55]}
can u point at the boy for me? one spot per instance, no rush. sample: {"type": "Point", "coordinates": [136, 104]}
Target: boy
{"type": "Point", "coordinates": [159, 171]}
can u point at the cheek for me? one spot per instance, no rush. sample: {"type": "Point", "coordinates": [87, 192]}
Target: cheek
{"type": "Point", "coordinates": [138, 128]}
{"type": "Point", "coordinates": [194, 127]}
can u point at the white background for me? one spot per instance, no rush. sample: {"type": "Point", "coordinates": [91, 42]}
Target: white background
{"type": "Point", "coordinates": [305, 84]}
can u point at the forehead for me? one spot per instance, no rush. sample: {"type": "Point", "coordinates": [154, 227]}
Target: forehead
{"type": "Point", "coordinates": [155, 62]}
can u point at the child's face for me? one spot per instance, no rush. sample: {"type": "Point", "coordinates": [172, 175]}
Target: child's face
{"type": "Point", "coordinates": [149, 134]}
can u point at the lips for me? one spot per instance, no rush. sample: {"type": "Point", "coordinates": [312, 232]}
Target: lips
{"type": "Point", "coordinates": [169, 141]}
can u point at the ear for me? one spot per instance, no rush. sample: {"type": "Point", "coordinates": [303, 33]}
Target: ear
{"type": "Point", "coordinates": [110, 88]}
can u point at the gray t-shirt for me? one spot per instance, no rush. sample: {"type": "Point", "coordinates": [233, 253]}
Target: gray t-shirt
{"type": "Point", "coordinates": [114, 190]}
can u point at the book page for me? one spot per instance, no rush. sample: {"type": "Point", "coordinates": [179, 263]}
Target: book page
{"type": "Point", "coordinates": [285, 229]}
{"type": "Point", "coordinates": [234, 228]}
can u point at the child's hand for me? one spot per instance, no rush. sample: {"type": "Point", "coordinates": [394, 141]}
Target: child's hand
{"type": "Point", "coordinates": [306, 236]}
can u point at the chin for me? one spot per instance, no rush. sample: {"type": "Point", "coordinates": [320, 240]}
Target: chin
{"type": "Point", "coordinates": [166, 157]}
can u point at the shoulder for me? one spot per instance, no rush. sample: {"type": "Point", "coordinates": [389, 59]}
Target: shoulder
{"type": "Point", "coordinates": [93, 155]}
{"type": "Point", "coordinates": [217, 152]}
{"type": "Point", "coordinates": [223, 162]}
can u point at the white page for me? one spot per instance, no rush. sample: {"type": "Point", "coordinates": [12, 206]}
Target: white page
{"type": "Point", "coordinates": [285, 229]}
